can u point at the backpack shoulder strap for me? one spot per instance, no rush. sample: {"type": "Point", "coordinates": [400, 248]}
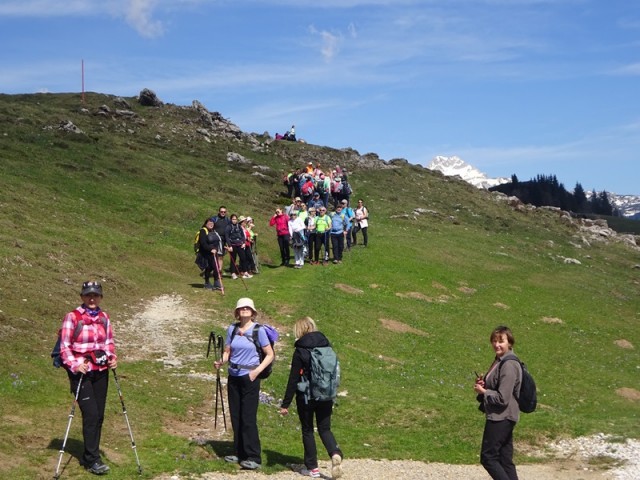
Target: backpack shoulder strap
{"type": "Point", "coordinates": [79, 324]}
{"type": "Point", "coordinates": [236, 326]}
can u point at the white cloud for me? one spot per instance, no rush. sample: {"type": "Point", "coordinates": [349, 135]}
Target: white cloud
{"type": "Point", "coordinates": [330, 43]}
{"type": "Point", "coordinates": [139, 13]}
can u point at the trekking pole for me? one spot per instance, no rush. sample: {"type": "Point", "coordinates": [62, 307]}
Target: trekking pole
{"type": "Point", "coordinates": [220, 348]}
{"type": "Point", "coordinates": [66, 434]}
{"type": "Point", "coordinates": [212, 340]}
{"type": "Point", "coordinates": [215, 262]}
{"type": "Point", "coordinates": [233, 262]}
{"type": "Point", "coordinates": [126, 417]}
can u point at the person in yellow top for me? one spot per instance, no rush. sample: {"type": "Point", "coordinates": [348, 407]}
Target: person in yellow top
{"type": "Point", "coordinates": [323, 227]}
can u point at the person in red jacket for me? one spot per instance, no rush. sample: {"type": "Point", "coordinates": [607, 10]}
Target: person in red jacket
{"type": "Point", "coordinates": [281, 221]}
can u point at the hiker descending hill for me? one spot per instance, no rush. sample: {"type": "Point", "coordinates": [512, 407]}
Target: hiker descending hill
{"type": "Point", "coordinates": [308, 342]}
{"type": "Point", "coordinates": [498, 391]}
{"type": "Point", "coordinates": [221, 221]}
{"type": "Point", "coordinates": [281, 222]}
{"type": "Point", "coordinates": [243, 385]}
{"type": "Point", "coordinates": [88, 352]}
{"type": "Point", "coordinates": [210, 246]}
{"type": "Point", "coordinates": [361, 223]}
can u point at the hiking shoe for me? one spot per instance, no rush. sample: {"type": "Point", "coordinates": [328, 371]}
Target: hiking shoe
{"type": "Point", "coordinates": [335, 261]}
{"type": "Point", "coordinates": [249, 465]}
{"type": "Point", "coordinates": [217, 285]}
{"type": "Point", "coordinates": [313, 473]}
{"type": "Point", "coordinates": [234, 276]}
{"type": "Point", "coordinates": [247, 275]}
{"type": "Point", "coordinates": [98, 468]}
{"type": "Point", "coordinates": [231, 459]}
{"type": "Point", "coordinates": [208, 286]}
{"type": "Point", "coordinates": [336, 465]}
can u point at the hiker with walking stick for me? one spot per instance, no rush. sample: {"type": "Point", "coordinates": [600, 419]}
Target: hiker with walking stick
{"type": "Point", "coordinates": [87, 351]}
{"type": "Point", "coordinates": [210, 247]}
{"type": "Point", "coordinates": [243, 382]}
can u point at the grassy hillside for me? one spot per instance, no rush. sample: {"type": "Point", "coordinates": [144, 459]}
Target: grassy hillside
{"type": "Point", "coordinates": [410, 315]}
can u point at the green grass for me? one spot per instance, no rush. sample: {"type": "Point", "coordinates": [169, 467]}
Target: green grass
{"type": "Point", "coordinates": [122, 202]}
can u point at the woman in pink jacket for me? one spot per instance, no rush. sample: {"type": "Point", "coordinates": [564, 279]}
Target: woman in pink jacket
{"type": "Point", "coordinates": [281, 221]}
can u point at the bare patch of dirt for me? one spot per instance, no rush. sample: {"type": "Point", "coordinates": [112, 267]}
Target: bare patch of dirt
{"type": "Point", "coordinates": [160, 330]}
{"type": "Point", "coordinates": [416, 295]}
{"type": "Point", "coordinates": [552, 320]}
{"type": "Point", "coordinates": [349, 289]}
{"type": "Point", "coordinates": [439, 286]}
{"type": "Point", "coordinates": [467, 290]}
{"type": "Point", "coordinates": [624, 344]}
{"type": "Point", "coordinates": [629, 393]}
{"type": "Point", "coordinates": [400, 327]}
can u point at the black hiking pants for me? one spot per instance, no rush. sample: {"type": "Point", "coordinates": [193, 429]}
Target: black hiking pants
{"type": "Point", "coordinates": [322, 412]}
{"type": "Point", "coordinates": [91, 400]}
{"type": "Point", "coordinates": [244, 396]}
{"type": "Point", "coordinates": [496, 454]}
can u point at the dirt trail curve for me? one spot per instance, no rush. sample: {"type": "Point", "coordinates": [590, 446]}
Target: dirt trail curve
{"type": "Point", "coordinates": [161, 323]}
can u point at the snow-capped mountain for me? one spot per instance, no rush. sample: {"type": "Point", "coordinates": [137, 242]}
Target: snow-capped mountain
{"type": "Point", "coordinates": [452, 166]}
{"type": "Point", "coordinates": [628, 205]}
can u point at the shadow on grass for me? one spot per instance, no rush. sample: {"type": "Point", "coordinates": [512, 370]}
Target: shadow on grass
{"type": "Point", "coordinates": [273, 458]}
{"type": "Point", "coordinates": [73, 449]}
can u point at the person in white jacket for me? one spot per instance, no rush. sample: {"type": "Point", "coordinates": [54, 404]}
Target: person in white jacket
{"type": "Point", "coordinates": [298, 240]}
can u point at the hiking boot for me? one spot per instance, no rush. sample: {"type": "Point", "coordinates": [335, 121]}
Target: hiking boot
{"type": "Point", "coordinates": [313, 473]}
{"type": "Point", "coordinates": [208, 286]}
{"type": "Point", "coordinates": [336, 465]}
{"type": "Point", "coordinates": [231, 459]}
{"type": "Point", "coordinates": [249, 465]}
{"type": "Point", "coordinates": [98, 468]}
{"type": "Point", "coordinates": [217, 285]}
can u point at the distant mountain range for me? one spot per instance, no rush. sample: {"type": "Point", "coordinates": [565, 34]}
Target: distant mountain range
{"type": "Point", "coordinates": [628, 205]}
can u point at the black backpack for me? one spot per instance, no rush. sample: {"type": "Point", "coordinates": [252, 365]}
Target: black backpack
{"type": "Point", "coordinates": [528, 398]}
{"type": "Point", "coordinates": [272, 335]}
{"type": "Point", "coordinates": [55, 353]}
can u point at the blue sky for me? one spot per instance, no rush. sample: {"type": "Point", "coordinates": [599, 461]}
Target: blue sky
{"type": "Point", "coordinates": [510, 86]}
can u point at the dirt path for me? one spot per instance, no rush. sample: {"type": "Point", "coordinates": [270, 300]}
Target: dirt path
{"type": "Point", "coordinates": [161, 324]}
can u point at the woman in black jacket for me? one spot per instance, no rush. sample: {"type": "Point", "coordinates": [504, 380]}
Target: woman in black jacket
{"type": "Point", "coordinates": [236, 245]}
{"type": "Point", "coordinates": [210, 248]}
{"type": "Point", "coordinates": [308, 337]}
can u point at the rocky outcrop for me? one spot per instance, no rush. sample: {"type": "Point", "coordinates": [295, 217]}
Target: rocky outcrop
{"type": "Point", "coordinates": [148, 98]}
{"type": "Point", "coordinates": [588, 230]}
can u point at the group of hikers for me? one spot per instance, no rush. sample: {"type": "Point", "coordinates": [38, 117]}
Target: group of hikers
{"type": "Point", "coordinates": [288, 135]}
{"type": "Point", "coordinates": [87, 352]}
{"type": "Point", "coordinates": [312, 183]}
{"type": "Point", "coordinates": [222, 233]}
{"type": "Point", "coordinates": [306, 226]}
{"type": "Point", "coordinates": [315, 234]}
